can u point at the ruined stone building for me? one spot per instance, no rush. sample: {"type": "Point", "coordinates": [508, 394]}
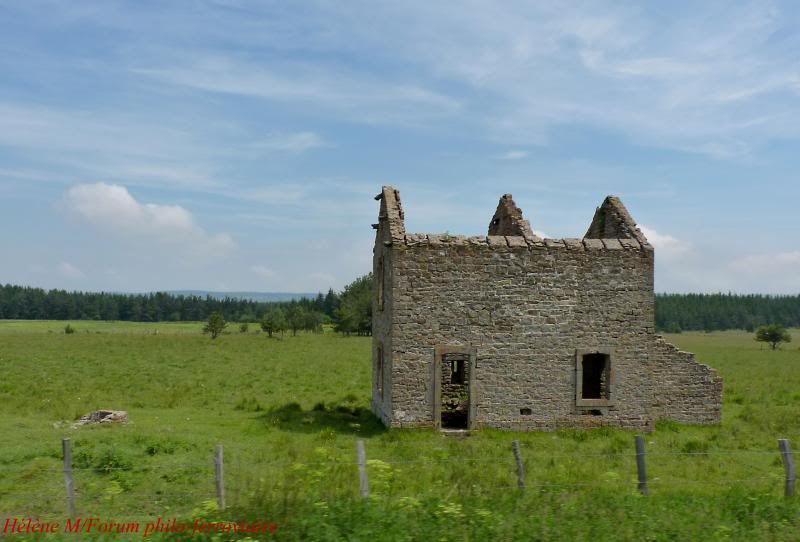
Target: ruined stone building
{"type": "Point", "coordinates": [510, 330]}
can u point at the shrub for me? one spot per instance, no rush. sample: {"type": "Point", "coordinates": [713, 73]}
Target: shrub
{"type": "Point", "coordinates": [216, 324]}
{"type": "Point", "coordinates": [773, 334]}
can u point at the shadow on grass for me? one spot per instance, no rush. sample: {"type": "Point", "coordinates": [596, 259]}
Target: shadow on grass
{"type": "Point", "coordinates": [340, 416]}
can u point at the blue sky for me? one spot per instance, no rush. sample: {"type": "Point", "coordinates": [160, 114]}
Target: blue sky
{"type": "Point", "coordinates": [234, 145]}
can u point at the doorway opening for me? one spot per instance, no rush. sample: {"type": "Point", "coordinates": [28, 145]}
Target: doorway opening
{"type": "Point", "coordinates": [455, 390]}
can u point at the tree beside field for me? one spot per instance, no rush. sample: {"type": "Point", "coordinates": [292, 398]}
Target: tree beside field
{"type": "Point", "coordinates": [273, 321]}
{"type": "Point", "coordinates": [773, 334]}
{"type": "Point", "coordinates": [354, 314]}
{"type": "Point", "coordinates": [216, 324]}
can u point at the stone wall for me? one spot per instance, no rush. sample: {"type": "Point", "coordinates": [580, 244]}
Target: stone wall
{"type": "Point", "coordinates": [529, 306]}
{"type": "Point", "coordinates": [389, 230]}
{"type": "Point", "coordinates": [689, 391]}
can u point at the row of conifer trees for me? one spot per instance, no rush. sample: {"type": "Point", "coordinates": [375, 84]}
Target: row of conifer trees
{"type": "Point", "coordinates": [350, 309]}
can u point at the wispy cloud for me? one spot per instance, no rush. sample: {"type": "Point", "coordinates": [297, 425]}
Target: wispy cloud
{"type": "Point", "coordinates": [262, 271]}
{"type": "Point", "coordinates": [778, 262]}
{"type": "Point", "coordinates": [111, 208]}
{"type": "Point", "coordinates": [692, 86]}
{"type": "Point", "coordinates": [293, 142]}
{"type": "Point", "coordinates": [361, 95]}
{"type": "Point", "coordinates": [513, 155]}
{"type": "Point", "coordinates": [69, 271]}
{"type": "Point", "coordinates": [666, 245]}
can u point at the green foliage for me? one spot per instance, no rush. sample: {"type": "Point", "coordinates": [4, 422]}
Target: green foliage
{"type": "Point", "coordinates": [22, 302]}
{"type": "Point", "coordinates": [295, 318]}
{"type": "Point", "coordinates": [289, 413]}
{"type": "Point", "coordinates": [672, 327]}
{"type": "Point", "coordinates": [69, 330]}
{"type": "Point", "coordinates": [592, 514]}
{"type": "Point", "coordinates": [312, 321]}
{"type": "Point", "coordinates": [773, 334]}
{"type": "Point", "coordinates": [714, 312]}
{"type": "Point", "coordinates": [243, 327]}
{"type": "Point", "coordinates": [273, 321]}
{"type": "Point", "coordinates": [354, 314]}
{"type": "Point", "coordinates": [215, 325]}
{"type": "Point", "coordinates": [112, 459]}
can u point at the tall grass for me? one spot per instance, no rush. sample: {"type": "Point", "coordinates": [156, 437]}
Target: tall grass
{"type": "Point", "coordinates": [290, 410]}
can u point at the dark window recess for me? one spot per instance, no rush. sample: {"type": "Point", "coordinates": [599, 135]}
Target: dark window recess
{"type": "Point", "coordinates": [596, 371]}
{"type": "Point", "coordinates": [380, 279]}
{"type": "Point", "coordinates": [380, 371]}
{"type": "Point", "coordinates": [457, 371]}
{"type": "Point", "coordinates": [525, 411]}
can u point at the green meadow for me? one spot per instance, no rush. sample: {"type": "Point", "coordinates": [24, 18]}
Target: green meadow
{"type": "Point", "coordinates": [290, 410]}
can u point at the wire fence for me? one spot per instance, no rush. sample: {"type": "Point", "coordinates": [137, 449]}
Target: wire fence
{"type": "Point", "coordinates": [76, 491]}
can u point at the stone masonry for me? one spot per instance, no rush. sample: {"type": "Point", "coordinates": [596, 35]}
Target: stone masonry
{"type": "Point", "coordinates": [509, 330]}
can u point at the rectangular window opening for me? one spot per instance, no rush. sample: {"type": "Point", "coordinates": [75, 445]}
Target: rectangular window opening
{"type": "Point", "coordinates": [457, 371]}
{"type": "Point", "coordinates": [596, 369]}
{"type": "Point", "coordinates": [380, 280]}
{"type": "Point", "coordinates": [379, 371]}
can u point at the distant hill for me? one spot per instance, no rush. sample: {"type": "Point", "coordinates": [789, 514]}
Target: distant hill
{"type": "Point", "coordinates": [250, 296]}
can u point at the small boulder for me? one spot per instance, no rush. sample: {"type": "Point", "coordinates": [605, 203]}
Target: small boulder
{"type": "Point", "coordinates": [103, 416]}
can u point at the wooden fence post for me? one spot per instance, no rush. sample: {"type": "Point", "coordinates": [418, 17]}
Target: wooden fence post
{"type": "Point", "coordinates": [518, 460]}
{"type": "Point", "coordinates": [640, 468]}
{"type": "Point", "coordinates": [68, 480]}
{"type": "Point", "coordinates": [788, 466]}
{"type": "Point", "coordinates": [361, 454]}
{"type": "Point", "coordinates": [219, 476]}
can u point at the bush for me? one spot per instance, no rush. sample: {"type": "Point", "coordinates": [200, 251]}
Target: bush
{"type": "Point", "coordinates": [69, 330]}
{"type": "Point", "coordinates": [773, 334]}
{"type": "Point", "coordinates": [273, 321]}
{"type": "Point", "coordinates": [216, 324]}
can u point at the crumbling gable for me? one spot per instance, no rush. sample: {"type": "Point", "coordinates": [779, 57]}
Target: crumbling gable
{"type": "Point", "coordinates": [512, 331]}
{"type": "Point", "coordinates": [507, 220]}
{"type": "Point", "coordinates": [613, 221]}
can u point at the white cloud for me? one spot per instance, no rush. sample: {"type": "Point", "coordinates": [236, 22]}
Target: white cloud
{"type": "Point", "coordinates": [777, 263]}
{"type": "Point", "coordinates": [262, 271]}
{"type": "Point", "coordinates": [295, 142]}
{"type": "Point", "coordinates": [665, 244]}
{"type": "Point", "coordinates": [69, 271]}
{"type": "Point", "coordinates": [112, 208]}
{"type": "Point", "coordinates": [513, 155]}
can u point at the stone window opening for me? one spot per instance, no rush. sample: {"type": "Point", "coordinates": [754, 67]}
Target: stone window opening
{"type": "Point", "coordinates": [594, 379]}
{"type": "Point", "coordinates": [379, 279]}
{"type": "Point", "coordinates": [379, 371]}
{"type": "Point", "coordinates": [457, 371]}
{"type": "Point", "coordinates": [596, 368]}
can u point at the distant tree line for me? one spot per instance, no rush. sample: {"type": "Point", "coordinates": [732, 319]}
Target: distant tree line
{"type": "Point", "coordinates": [711, 312]}
{"type": "Point", "coordinates": [350, 310]}
{"type": "Point", "coordinates": [25, 303]}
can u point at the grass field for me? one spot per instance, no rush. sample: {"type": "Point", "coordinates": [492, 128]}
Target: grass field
{"type": "Point", "coordinates": [289, 412]}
